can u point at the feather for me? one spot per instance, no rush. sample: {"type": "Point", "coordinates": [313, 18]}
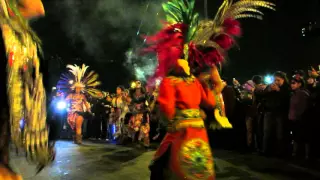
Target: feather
{"type": "Point", "coordinates": [87, 81]}
{"type": "Point", "coordinates": [220, 32]}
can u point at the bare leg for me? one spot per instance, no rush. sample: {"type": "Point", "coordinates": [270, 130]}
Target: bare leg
{"type": "Point", "coordinates": [79, 121]}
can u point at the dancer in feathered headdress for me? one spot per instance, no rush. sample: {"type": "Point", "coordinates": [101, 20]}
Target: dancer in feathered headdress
{"type": "Point", "coordinates": [139, 122]}
{"type": "Point", "coordinates": [23, 97]}
{"type": "Point", "coordinates": [80, 83]}
{"type": "Point", "coordinates": [182, 42]}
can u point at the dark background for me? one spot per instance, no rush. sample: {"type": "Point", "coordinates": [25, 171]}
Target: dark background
{"type": "Point", "coordinates": [266, 46]}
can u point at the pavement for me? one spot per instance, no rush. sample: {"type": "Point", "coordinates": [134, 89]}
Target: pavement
{"type": "Point", "coordinates": [102, 161]}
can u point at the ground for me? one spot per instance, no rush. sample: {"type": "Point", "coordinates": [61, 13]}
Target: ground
{"type": "Point", "coordinates": [102, 161]}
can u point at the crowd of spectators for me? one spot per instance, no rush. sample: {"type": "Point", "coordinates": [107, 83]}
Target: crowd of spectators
{"type": "Point", "coordinates": [274, 118]}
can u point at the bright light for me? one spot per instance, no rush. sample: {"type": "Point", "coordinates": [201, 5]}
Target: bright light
{"type": "Point", "coordinates": [158, 81]}
{"type": "Point", "coordinates": [268, 79]}
{"type": "Point", "coordinates": [114, 129]}
{"type": "Point", "coordinates": [21, 123]}
{"type": "Point", "coordinates": [133, 85]}
{"type": "Point", "coordinates": [71, 82]}
{"type": "Point", "coordinates": [61, 105]}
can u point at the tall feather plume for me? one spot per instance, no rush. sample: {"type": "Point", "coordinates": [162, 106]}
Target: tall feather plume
{"type": "Point", "coordinates": [182, 11]}
{"type": "Point", "coordinates": [181, 20]}
{"type": "Point", "coordinates": [229, 10]}
{"type": "Point", "coordinates": [219, 33]}
{"type": "Point", "coordinates": [87, 81]}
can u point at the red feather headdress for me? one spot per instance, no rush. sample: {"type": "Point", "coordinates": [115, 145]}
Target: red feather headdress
{"type": "Point", "coordinates": [168, 45]}
{"type": "Point", "coordinates": [202, 43]}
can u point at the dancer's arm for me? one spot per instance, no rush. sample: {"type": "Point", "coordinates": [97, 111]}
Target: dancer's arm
{"type": "Point", "coordinates": [217, 81]}
{"type": "Point", "coordinates": [207, 97]}
{"type": "Point", "coordinates": [86, 103]}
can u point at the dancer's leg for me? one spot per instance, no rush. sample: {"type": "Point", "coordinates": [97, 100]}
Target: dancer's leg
{"type": "Point", "coordinates": [79, 121]}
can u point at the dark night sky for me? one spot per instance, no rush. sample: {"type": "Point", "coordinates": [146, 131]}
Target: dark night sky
{"type": "Point", "coordinates": [266, 46]}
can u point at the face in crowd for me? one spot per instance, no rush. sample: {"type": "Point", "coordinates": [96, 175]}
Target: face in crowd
{"type": "Point", "coordinates": [78, 90]}
{"type": "Point", "coordinates": [295, 85]}
{"type": "Point", "coordinates": [119, 91]}
{"type": "Point", "coordinates": [278, 81]}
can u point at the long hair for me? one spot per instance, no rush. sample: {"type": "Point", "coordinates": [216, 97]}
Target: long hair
{"type": "Point", "coordinates": [283, 76]}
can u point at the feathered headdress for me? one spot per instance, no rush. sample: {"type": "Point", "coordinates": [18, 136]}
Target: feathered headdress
{"type": "Point", "coordinates": [202, 43]}
{"type": "Point", "coordinates": [169, 43]}
{"type": "Point", "coordinates": [214, 37]}
{"type": "Point", "coordinates": [77, 77]}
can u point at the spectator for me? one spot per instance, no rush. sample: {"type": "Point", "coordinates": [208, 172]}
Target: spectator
{"type": "Point", "coordinates": [258, 105]}
{"type": "Point", "coordinates": [297, 115]}
{"type": "Point", "coordinates": [277, 96]}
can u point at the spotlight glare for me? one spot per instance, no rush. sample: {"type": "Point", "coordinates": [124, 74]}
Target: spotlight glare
{"type": "Point", "coordinates": [268, 79]}
{"type": "Point", "coordinates": [61, 105]}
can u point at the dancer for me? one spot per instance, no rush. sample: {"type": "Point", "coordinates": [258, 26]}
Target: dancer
{"type": "Point", "coordinates": [118, 103]}
{"type": "Point", "coordinates": [139, 123]}
{"type": "Point", "coordinates": [185, 153]}
{"type": "Point", "coordinates": [23, 107]}
{"type": "Point", "coordinates": [81, 84]}
{"type": "Point", "coordinates": [214, 38]}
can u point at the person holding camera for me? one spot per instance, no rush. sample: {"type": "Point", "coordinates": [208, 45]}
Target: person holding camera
{"type": "Point", "coordinates": [277, 97]}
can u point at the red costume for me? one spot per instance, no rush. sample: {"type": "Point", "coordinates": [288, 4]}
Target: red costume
{"type": "Point", "coordinates": [185, 152]}
{"type": "Point", "coordinates": [190, 153]}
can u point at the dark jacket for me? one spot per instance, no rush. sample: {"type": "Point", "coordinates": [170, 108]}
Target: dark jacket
{"type": "Point", "coordinates": [277, 101]}
{"type": "Point", "coordinates": [299, 104]}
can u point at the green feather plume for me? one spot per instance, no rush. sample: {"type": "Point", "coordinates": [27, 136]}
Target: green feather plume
{"type": "Point", "coordinates": [182, 11]}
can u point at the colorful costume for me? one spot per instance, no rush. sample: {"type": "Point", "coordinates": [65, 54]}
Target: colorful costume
{"type": "Point", "coordinates": [82, 83]}
{"type": "Point", "coordinates": [24, 117]}
{"type": "Point", "coordinates": [185, 152]}
{"type": "Point", "coordinates": [139, 123]}
{"type": "Point", "coordinates": [119, 104]}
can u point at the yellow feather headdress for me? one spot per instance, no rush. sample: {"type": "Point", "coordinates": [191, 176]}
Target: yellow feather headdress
{"type": "Point", "coordinates": [208, 29]}
{"type": "Point", "coordinates": [80, 78]}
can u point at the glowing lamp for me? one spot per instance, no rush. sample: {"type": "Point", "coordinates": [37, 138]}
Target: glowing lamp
{"type": "Point", "coordinates": [61, 105]}
{"type": "Point", "coordinates": [268, 79]}
{"type": "Point", "coordinates": [133, 85]}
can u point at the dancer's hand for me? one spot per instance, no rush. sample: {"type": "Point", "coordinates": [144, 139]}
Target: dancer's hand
{"type": "Point", "coordinates": [222, 120]}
